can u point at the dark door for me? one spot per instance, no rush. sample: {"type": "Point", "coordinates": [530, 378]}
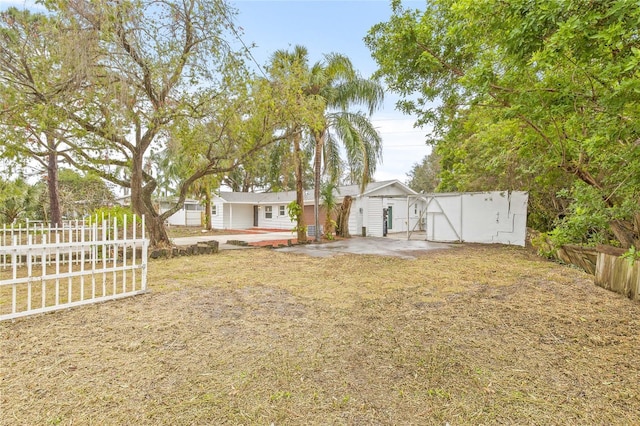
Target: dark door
{"type": "Point", "coordinates": [255, 215]}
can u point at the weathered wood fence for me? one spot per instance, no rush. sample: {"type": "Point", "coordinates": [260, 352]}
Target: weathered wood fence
{"type": "Point", "coordinates": [46, 269]}
{"type": "Point", "coordinates": [616, 273]}
{"type": "Point", "coordinates": [609, 269]}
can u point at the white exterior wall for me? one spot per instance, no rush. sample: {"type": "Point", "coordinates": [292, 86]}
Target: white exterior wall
{"type": "Point", "coordinates": [184, 217]}
{"type": "Point", "coordinates": [401, 218]}
{"type": "Point", "coordinates": [178, 218]}
{"type": "Point", "coordinates": [193, 217]}
{"type": "Point", "coordinates": [237, 216]}
{"type": "Point", "coordinates": [488, 217]}
{"type": "Point", "coordinates": [443, 218]}
{"type": "Point", "coordinates": [217, 220]}
{"type": "Point", "coordinates": [416, 218]}
{"type": "Point", "coordinates": [277, 220]}
{"type": "Point", "coordinates": [374, 217]}
{"type": "Point", "coordinates": [356, 217]}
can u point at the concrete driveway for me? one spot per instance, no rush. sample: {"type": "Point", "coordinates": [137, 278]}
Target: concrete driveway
{"type": "Point", "coordinates": [393, 245]}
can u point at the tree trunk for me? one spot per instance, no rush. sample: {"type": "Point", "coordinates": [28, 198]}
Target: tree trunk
{"type": "Point", "coordinates": [301, 226]}
{"type": "Point", "coordinates": [624, 233]}
{"type": "Point", "coordinates": [141, 204]}
{"type": "Point", "coordinates": [52, 183]}
{"type": "Point", "coordinates": [343, 218]}
{"type": "Point", "coordinates": [207, 210]}
{"type": "Point", "coordinates": [317, 164]}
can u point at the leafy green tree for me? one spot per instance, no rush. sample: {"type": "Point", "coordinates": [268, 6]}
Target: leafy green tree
{"type": "Point", "coordinates": [564, 73]}
{"type": "Point", "coordinates": [18, 200]}
{"type": "Point", "coordinates": [288, 75]}
{"type": "Point", "coordinates": [339, 85]}
{"type": "Point", "coordinates": [149, 73]}
{"type": "Point", "coordinates": [423, 176]}
{"type": "Point", "coordinates": [335, 86]}
{"type": "Point", "coordinates": [35, 69]}
{"type": "Point", "coordinates": [480, 154]}
{"type": "Point", "coordinates": [81, 193]}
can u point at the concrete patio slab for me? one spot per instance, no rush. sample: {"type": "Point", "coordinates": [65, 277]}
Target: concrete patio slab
{"type": "Point", "coordinates": [392, 245]}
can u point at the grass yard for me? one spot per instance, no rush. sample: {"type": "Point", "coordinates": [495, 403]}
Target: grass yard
{"type": "Point", "coordinates": [472, 335]}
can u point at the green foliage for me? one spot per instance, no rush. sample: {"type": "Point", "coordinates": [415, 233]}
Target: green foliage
{"type": "Point", "coordinates": [295, 212]}
{"type": "Point", "coordinates": [114, 80]}
{"type": "Point", "coordinates": [631, 255]}
{"type": "Point", "coordinates": [533, 96]}
{"type": "Point", "coordinates": [80, 194]}
{"type": "Point", "coordinates": [19, 201]}
{"type": "Point", "coordinates": [110, 213]}
{"type": "Point", "coordinates": [329, 200]}
{"type": "Point", "coordinates": [585, 221]}
{"type": "Point", "coordinates": [423, 176]}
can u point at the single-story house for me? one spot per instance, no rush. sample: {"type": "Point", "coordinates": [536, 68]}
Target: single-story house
{"type": "Point", "coordinates": [388, 206]}
{"type": "Point", "coordinates": [242, 210]}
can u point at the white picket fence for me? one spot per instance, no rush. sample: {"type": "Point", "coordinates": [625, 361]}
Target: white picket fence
{"type": "Point", "coordinates": [47, 269]}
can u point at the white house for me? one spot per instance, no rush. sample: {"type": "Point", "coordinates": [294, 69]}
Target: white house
{"type": "Point", "coordinates": [241, 210]}
{"type": "Point", "coordinates": [388, 206]}
{"type": "Point", "coordinates": [191, 213]}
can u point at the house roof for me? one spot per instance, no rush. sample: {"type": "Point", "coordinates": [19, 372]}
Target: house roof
{"type": "Point", "coordinates": [260, 197]}
{"type": "Point", "coordinates": [286, 197]}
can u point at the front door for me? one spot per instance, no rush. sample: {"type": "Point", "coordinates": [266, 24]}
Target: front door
{"type": "Point", "coordinates": [255, 215]}
{"type": "Point", "coordinates": [389, 217]}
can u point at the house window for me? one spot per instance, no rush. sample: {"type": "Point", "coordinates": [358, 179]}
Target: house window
{"type": "Point", "coordinates": [282, 211]}
{"type": "Point", "coordinates": [268, 212]}
{"type": "Point", "coordinates": [214, 210]}
{"type": "Point", "coordinates": [194, 207]}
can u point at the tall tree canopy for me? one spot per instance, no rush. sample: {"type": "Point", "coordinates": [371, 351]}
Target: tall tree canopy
{"type": "Point", "coordinates": [144, 75]}
{"type": "Point", "coordinates": [554, 84]}
{"type": "Point", "coordinates": [36, 73]}
{"type": "Point", "coordinates": [329, 89]}
{"type": "Point", "coordinates": [336, 82]}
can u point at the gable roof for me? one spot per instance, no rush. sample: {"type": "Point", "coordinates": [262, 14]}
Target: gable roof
{"type": "Point", "coordinates": [286, 197]}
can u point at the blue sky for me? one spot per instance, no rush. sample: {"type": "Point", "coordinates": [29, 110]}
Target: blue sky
{"type": "Point", "coordinates": [328, 26]}
{"type": "Point", "coordinates": [336, 26]}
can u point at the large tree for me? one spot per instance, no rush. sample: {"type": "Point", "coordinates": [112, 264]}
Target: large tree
{"type": "Point", "coordinates": [328, 89]}
{"type": "Point", "coordinates": [18, 200]}
{"type": "Point", "coordinates": [288, 76]}
{"type": "Point", "coordinates": [149, 73]}
{"type": "Point", "coordinates": [337, 83]}
{"type": "Point", "coordinates": [36, 73]}
{"type": "Point", "coordinates": [566, 74]}
{"type": "Point", "coordinates": [423, 176]}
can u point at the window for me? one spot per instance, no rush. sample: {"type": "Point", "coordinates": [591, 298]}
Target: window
{"type": "Point", "coordinates": [214, 210]}
{"type": "Point", "coordinates": [196, 207]}
{"type": "Point", "coordinates": [282, 211]}
{"type": "Point", "coordinates": [268, 212]}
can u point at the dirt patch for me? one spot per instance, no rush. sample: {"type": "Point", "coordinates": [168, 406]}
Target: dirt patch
{"type": "Point", "coordinates": [471, 335]}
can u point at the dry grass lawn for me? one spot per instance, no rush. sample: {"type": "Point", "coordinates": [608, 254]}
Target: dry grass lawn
{"type": "Point", "coordinates": [473, 335]}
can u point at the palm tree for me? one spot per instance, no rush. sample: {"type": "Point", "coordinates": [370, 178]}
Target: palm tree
{"type": "Point", "coordinates": [335, 81]}
{"type": "Point", "coordinates": [289, 73]}
{"type": "Point", "coordinates": [330, 204]}
{"type": "Point", "coordinates": [319, 98]}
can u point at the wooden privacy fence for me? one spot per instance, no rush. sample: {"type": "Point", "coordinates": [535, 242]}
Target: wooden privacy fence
{"type": "Point", "coordinates": [610, 270]}
{"type": "Point", "coordinates": [46, 269]}
{"type": "Point", "coordinates": [616, 273]}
